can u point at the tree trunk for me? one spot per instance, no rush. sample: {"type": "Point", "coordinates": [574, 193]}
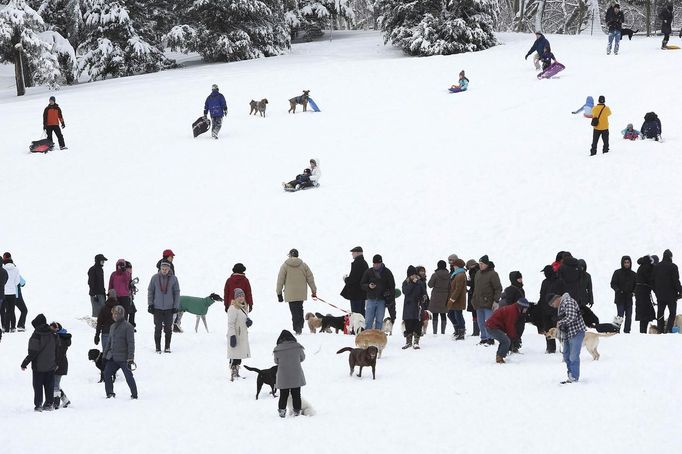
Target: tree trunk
{"type": "Point", "coordinates": [19, 73]}
{"type": "Point", "coordinates": [648, 17]}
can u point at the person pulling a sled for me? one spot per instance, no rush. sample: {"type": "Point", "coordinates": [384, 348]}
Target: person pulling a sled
{"type": "Point", "coordinates": [462, 83]}
{"type": "Point", "coordinates": [308, 178]}
{"type": "Point", "coordinates": [52, 118]}
{"type": "Point", "coordinates": [216, 105]}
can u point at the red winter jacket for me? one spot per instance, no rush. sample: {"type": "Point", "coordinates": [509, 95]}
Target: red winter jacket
{"type": "Point", "coordinates": [505, 319]}
{"type": "Point", "coordinates": [236, 281]}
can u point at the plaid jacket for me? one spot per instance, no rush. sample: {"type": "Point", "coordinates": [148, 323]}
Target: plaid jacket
{"type": "Point", "coordinates": [570, 318]}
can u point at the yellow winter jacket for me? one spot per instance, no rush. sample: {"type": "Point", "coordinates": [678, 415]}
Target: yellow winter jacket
{"type": "Point", "coordinates": [603, 119]}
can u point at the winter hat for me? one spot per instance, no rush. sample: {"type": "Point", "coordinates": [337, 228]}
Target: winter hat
{"type": "Point", "coordinates": [313, 161]}
{"type": "Point", "coordinates": [52, 98]}
{"type": "Point", "coordinates": [514, 275]}
{"type": "Point", "coordinates": [667, 254]}
{"type": "Point", "coordinates": [168, 253]}
{"type": "Point", "coordinates": [616, 6]}
{"type": "Point", "coordinates": [238, 292]}
{"type": "Point", "coordinates": [523, 302]}
{"type": "Point", "coordinates": [164, 263]}
{"type": "Point", "coordinates": [214, 87]}
{"type": "Point", "coordinates": [452, 257]}
{"type": "Point", "coordinates": [441, 265]}
{"type": "Point", "coordinates": [459, 263]}
{"type": "Point", "coordinates": [471, 263]}
{"type": "Point", "coordinates": [551, 297]}
{"type": "Point", "coordinates": [99, 258]}
{"type": "Point", "coordinates": [602, 100]}
{"type": "Point", "coordinates": [655, 259]}
{"type": "Point", "coordinates": [629, 126]}
{"type": "Point", "coordinates": [293, 253]}
{"type": "Point", "coordinates": [285, 336]}
{"type": "Point", "coordinates": [559, 256]}
{"type": "Point", "coordinates": [40, 320]}
{"type": "Point", "coordinates": [377, 259]}
{"type": "Point", "coordinates": [118, 313]}
{"type": "Point", "coordinates": [411, 271]}
{"type": "Point", "coordinates": [485, 260]}
{"type": "Point", "coordinates": [356, 249]}
{"type": "Point", "coordinates": [56, 326]}
{"type": "Point", "coordinates": [120, 262]}
{"type": "Point", "coordinates": [238, 268]}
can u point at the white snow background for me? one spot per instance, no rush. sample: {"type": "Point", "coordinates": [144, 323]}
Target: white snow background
{"type": "Point", "coordinates": [408, 171]}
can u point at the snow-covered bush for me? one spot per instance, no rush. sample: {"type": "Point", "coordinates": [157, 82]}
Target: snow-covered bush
{"type": "Point", "coordinates": [65, 54]}
{"type": "Point", "coordinates": [310, 17]}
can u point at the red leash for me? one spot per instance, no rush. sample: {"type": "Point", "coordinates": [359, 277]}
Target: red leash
{"type": "Point", "coordinates": [336, 307]}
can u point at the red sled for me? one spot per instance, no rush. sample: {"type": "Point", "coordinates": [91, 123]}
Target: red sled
{"type": "Point", "coordinates": [41, 146]}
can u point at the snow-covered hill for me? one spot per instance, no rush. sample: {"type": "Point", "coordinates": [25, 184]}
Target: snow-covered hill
{"type": "Point", "coordinates": [409, 171]}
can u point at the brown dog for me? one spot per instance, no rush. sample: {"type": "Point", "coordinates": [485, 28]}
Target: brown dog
{"type": "Point", "coordinates": [372, 338]}
{"type": "Point", "coordinates": [258, 107]}
{"type": "Point", "coordinates": [302, 100]}
{"type": "Point", "coordinates": [362, 357]}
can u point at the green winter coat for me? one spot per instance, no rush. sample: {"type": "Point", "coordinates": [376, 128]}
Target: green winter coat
{"type": "Point", "coordinates": [194, 305]}
{"type": "Point", "coordinates": [487, 289]}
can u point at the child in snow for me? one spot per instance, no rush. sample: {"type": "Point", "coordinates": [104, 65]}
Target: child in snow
{"type": "Point", "coordinates": [237, 332]}
{"type": "Point", "coordinates": [630, 133]}
{"type": "Point", "coordinates": [651, 128]}
{"type": "Point", "coordinates": [42, 348]}
{"type": "Point", "coordinates": [289, 355]}
{"type": "Point", "coordinates": [63, 344]}
{"type": "Point", "coordinates": [414, 291]}
{"type": "Point", "coordinates": [461, 85]}
{"type": "Point", "coordinates": [586, 108]}
{"type": "Point", "coordinates": [547, 58]}
{"type": "Point", "coordinates": [308, 178]}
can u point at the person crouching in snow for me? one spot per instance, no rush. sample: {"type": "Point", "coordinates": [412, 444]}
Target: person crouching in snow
{"type": "Point", "coordinates": [289, 355]}
{"type": "Point", "coordinates": [630, 133]}
{"type": "Point", "coordinates": [538, 46]}
{"type": "Point", "coordinates": [42, 348]}
{"type": "Point", "coordinates": [502, 326]}
{"type": "Point", "coordinates": [547, 58]}
{"type": "Point", "coordinates": [586, 108]}
{"type": "Point", "coordinates": [414, 291]}
{"type": "Point", "coordinates": [237, 332]}
{"type": "Point", "coordinates": [462, 83]}
{"type": "Point", "coordinates": [63, 344]}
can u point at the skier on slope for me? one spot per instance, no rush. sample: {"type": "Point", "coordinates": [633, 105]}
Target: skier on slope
{"type": "Point", "coordinates": [216, 105]}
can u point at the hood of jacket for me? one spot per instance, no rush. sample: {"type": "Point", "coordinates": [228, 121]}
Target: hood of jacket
{"type": "Point", "coordinates": [39, 321]}
{"type": "Point", "coordinates": [646, 260]}
{"type": "Point", "coordinates": [667, 255]}
{"type": "Point", "coordinates": [513, 276]}
{"type": "Point", "coordinates": [293, 261]}
{"type": "Point", "coordinates": [549, 272]}
{"type": "Point", "coordinates": [288, 345]}
{"type": "Point", "coordinates": [622, 261]}
{"type": "Point", "coordinates": [583, 264]}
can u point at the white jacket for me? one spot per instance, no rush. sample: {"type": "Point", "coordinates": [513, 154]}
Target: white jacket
{"type": "Point", "coordinates": [316, 173]}
{"type": "Point", "coordinates": [13, 278]}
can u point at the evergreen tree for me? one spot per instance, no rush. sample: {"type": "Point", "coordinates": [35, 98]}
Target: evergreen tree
{"type": "Point", "coordinates": [21, 45]}
{"type": "Point", "coordinates": [311, 17]}
{"type": "Point", "coordinates": [231, 30]}
{"type": "Point", "coordinates": [113, 46]}
{"type": "Point", "coordinates": [64, 17]}
{"type": "Point", "coordinates": [437, 27]}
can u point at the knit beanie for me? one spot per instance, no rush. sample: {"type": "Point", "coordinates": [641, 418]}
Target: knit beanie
{"type": "Point", "coordinates": [238, 292]}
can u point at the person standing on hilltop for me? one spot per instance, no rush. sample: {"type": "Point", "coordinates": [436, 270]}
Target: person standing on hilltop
{"type": "Point", "coordinates": [614, 20]}
{"type": "Point", "coordinates": [600, 122]}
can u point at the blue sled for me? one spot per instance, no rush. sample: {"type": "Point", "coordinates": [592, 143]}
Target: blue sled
{"type": "Point", "coordinates": [312, 104]}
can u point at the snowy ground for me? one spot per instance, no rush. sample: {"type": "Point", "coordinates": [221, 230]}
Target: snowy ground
{"type": "Point", "coordinates": [409, 171]}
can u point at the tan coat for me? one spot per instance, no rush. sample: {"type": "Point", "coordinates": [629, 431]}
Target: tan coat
{"type": "Point", "coordinates": [458, 292]}
{"type": "Point", "coordinates": [487, 289]}
{"type": "Point", "coordinates": [294, 278]}
{"type": "Point", "coordinates": [236, 325]}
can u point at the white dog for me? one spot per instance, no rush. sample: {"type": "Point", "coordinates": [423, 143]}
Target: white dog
{"type": "Point", "coordinates": [306, 408]}
{"type": "Point", "coordinates": [388, 326]}
{"type": "Point", "coordinates": [357, 322]}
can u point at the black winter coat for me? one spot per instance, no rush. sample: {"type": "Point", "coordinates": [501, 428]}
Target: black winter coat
{"type": "Point", "coordinates": [623, 282]}
{"type": "Point", "coordinates": [414, 293]}
{"type": "Point", "coordinates": [472, 285]}
{"type": "Point", "coordinates": [96, 280]}
{"type": "Point", "coordinates": [385, 284]}
{"type": "Point", "coordinates": [586, 295]}
{"type": "Point", "coordinates": [667, 281]}
{"type": "Point", "coordinates": [63, 344]}
{"type": "Point", "coordinates": [42, 347]}
{"type": "Point", "coordinates": [3, 281]}
{"type": "Point", "coordinates": [352, 290]}
{"type": "Point", "coordinates": [644, 308]}
{"type": "Point", "coordinates": [569, 275]}
{"type": "Point", "coordinates": [651, 128]}
{"type": "Point", "coordinates": [511, 295]}
{"type": "Point", "coordinates": [666, 17]}
{"type": "Point", "coordinates": [614, 20]}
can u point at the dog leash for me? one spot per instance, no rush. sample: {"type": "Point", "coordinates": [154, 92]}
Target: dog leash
{"type": "Point", "coordinates": [330, 304]}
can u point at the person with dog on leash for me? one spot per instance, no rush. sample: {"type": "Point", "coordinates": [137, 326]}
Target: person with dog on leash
{"type": "Point", "coordinates": [414, 290]}
{"type": "Point", "coordinates": [623, 284]}
{"type": "Point", "coordinates": [503, 327]}
{"type": "Point", "coordinates": [379, 284]}
{"type": "Point", "coordinates": [571, 331]}
{"type": "Point", "coordinates": [238, 324]}
{"type": "Point", "coordinates": [293, 280]}
{"type": "Point", "coordinates": [163, 301]}
{"type": "Point", "coordinates": [352, 290]}
{"type": "Point", "coordinates": [119, 352]}
{"type": "Point", "coordinates": [217, 106]}
{"type": "Point", "coordinates": [288, 355]}
{"type": "Point", "coordinates": [614, 20]}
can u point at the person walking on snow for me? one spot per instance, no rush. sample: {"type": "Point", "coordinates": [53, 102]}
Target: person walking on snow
{"type": "Point", "coordinates": [352, 290]}
{"type": "Point", "coordinates": [614, 20]}
{"type": "Point", "coordinates": [163, 300]}
{"type": "Point", "coordinates": [119, 353]}
{"type": "Point", "coordinates": [666, 16]}
{"type": "Point", "coordinates": [502, 326]}
{"type": "Point", "coordinates": [600, 116]}
{"type": "Point", "coordinates": [42, 350]}
{"type": "Point", "coordinates": [666, 279]}
{"type": "Point", "coordinates": [571, 332]}
{"type": "Point", "coordinates": [538, 47]}
{"type": "Point", "coordinates": [52, 117]}
{"type": "Point", "coordinates": [623, 284]}
{"type": "Point", "coordinates": [237, 332]}
{"type": "Point", "coordinates": [237, 280]}
{"type": "Point", "coordinates": [288, 355]}
{"type": "Point", "coordinates": [9, 319]}
{"type": "Point", "coordinates": [293, 280]}
{"type": "Point", "coordinates": [96, 285]}
{"type": "Point", "coordinates": [217, 106]}
{"type": "Point", "coordinates": [414, 291]}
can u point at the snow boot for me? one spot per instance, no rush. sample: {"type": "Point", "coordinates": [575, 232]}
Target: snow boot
{"type": "Point", "coordinates": [459, 335]}
{"type": "Point", "coordinates": [477, 330]}
{"type": "Point", "coordinates": [282, 413]}
{"type": "Point", "coordinates": [65, 400]}
{"type": "Point", "coordinates": [297, 412]}
{"type": "Point", "coordinates": [408, 342]}
{"type": "Point", "coordinates": [416, 343]}
{"type": "Point", "coordinates": [499, 359]}
{"type": "Point", "coordinates": [234, 371]}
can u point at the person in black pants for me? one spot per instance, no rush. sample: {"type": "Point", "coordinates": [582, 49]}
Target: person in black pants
{"type": "Point", "coordinates": [21, 305]}
{"type": "Point", "coordinates": [666, 16]}
{"type": "Point", "coordinates": [42, 352]}
{"type": "Point", "coordinates": [644, 307]}
{"type": "Point", "coordinates": [600, 115]}
{"type": "Point", "coordinates": [668, 289]}
{"type": "Point", "coordinates": [352, 290]}
{"type": "Point", "coordinates": [623, 283]}
{"type": "Point", "coordinates": [52, 117]}
{"type": "Point", "coordinates": [289, 355]}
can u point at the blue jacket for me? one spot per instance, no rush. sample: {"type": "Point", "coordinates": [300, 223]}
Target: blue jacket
{"type": "Point", "coordinates": [652, 128]}
{"type": "Point", "coordinates": [539, 45]}
{"type": "Point", "coordinates": [215, 103]}
{"type": "Point", "coordinates": [463, 84]}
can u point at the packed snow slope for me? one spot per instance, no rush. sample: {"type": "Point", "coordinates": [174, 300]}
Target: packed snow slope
{"type": "Point", "coordinates": [408, 171]}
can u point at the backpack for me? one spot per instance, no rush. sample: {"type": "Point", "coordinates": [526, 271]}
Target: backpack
{"type": "Point", "coordinates": [650, 116]}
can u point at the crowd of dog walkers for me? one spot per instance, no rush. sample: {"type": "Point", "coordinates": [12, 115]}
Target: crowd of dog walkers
{"type": "Point", "coordinates": [453, 288]}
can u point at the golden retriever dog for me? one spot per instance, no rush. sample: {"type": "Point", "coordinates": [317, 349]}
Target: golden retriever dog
{"type": "Point", "coordinates": [372, 338]}
{"type": "Point", "coordinates": [590, 342]}
{"type": "Point", "coordinates": [302, 100]}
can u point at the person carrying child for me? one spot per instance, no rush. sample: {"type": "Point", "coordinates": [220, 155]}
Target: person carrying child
{"type": "Point", "coordinates": [462, 83]}
{"type": "Point", "coordinates": [630, 133]}
{"type": "Point", "coordinates": [289, 355]}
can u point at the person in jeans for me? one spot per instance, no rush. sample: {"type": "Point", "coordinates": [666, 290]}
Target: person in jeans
{"type": "Point", "coordinates": [502, 326]}
{"type": "Point", "coordinates": [42, 348]}
{"type": "Point", "coordinates": [352, 290]}
{"type": "Point", "coordinates": [623, 284]}
{"type": "Point", "coordinates": [96, 284]}
{"type": "Point", "coordinates": [119, 352]}
{"type": "Point", "coordinates": [457, 298]}
{"type": "Point", "coordinates": [487, 290]}
{"type": "Point", "coordinates": [601, 112]}
{"type": "Point", "coordinates": [293, 281]}
{"type": "Point", "coordinates": [379, 284]}
{"type": "Point", "coordinates": [289, 355]}
{"type": "Point", "coordinates": [667, 288]}
{"type": "Point", "coordinates": [163, 300]}
{"type": "Point", "coordinates": [571, 332]}
{"type": "Point", "coordinates": [614, 20]}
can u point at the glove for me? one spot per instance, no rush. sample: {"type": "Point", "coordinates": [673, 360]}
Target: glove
{"type": "Point", "coordinates": [174, 310]}
{"type": "Point", "coordinates": [249, 322]}
{"type": "Point", "coordinates": [44, 127]}
{"type": "Point", "coordinates": [314, 296]}
{"type": "Point", "coordinates": [233, 341]}
{"type": "Point", "coordinates": [280, 298]}
{"type": "Point", "coordinates": [96, 339]}
{"type": "Point", "coordinates": [63, 125]}
{"type": "Point", "coordinates": [150, 309]}
{"type": "Point", "coordinates": [526, 57]}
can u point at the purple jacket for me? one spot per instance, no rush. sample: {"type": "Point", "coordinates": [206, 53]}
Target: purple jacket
{"type": "Point", "coordinates": [120, 281]}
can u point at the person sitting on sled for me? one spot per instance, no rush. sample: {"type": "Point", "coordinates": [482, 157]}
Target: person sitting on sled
{"type": "Point", "coordinates": [586, 108]}
{"type": "Point", "coordinates": [309, 177]}
{"type": "Point", "coordinates": [461, 85]}
{"type": "Point", "coordinates": [547, 58]}
{"type": "Point", "coordinates": [630, 133]}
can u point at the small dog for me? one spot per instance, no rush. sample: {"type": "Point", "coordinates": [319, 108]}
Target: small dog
{"type": "Point", "coordinates": [265, 377]}
{"type": "Point", "coordinates": [627, 32]}
{"type": "Point", "coordinates": [329, 321]}
{"type": "Point", "coordinates": [591, 341]}
{"type": "Point", "coordinates": [357, 322]}
{"type": "Point", "coordinates": [362, 357]}
{"type": "Point", "coordinates": [314, 323]}
{"type": "Point", "coordinates": [258, 107]}
{"type": "Point", "coordinates": [388, 326]}
{"type": "Point", "coordinates": [427, 316]}
{"type": "Point", "coordinates": [372, 338]}
{"type": "Point", "coordinates": [653, 329]}
{"type": "Point", "coordinates": [306, 408]}
{"type": "Point", "coordinates": [302, 100]}
{"type": "Point", "coordinates": [96, 356]}
{"type": "Point", "coordinates": [613, 327]}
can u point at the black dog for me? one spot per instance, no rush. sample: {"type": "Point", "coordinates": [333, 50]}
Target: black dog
{"type": "Point", "coordinates": [362, 357]}
{"type": "Point", "coordinates": [329, 321]}
{"type": "Point", "coordinates": [96, 356]}
{"type": "Point", "coordinates": [267, 377]}
{"type": "Point", "coordinates": [627, 32]}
